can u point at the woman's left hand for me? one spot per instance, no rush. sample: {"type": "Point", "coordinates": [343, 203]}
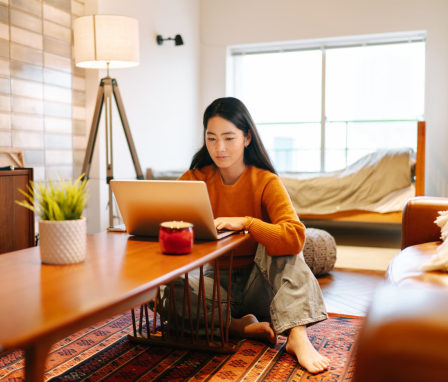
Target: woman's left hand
{"type": "Point", "coordinates": [230, 223]}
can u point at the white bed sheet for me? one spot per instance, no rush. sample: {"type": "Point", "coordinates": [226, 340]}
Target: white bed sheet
{"type": "Point", "coordinates": [379, 182]}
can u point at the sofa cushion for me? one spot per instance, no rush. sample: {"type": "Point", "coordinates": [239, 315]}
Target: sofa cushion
{"type": "Point", "coordinates": [404, 268]}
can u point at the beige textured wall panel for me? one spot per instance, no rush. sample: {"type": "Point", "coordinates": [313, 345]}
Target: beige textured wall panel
{"type": "Point", "coordinates": [26, 21]}
{"type": "Point", "coordinates": [79, 83]}
{"type": "Point", "coordinates": [27, 38]}
{"type": "Point", "coordinates": [26, 88]}
{"type": "Point", "coordinates": [34, 157]}
{"type": "Point", "coordinates": [56, 77]}
{"type": "Point", "coordinates": [5, 86]}
{"type": "Point", "coordinates": [5, 121]}
{"type": "Point", "coordinates": [22, 139]}
{"type": "Point", "coordinates": [77, 8]}
{"type": "Point", "coordinates": [79, 127]}
{"type": "Point", "coordinates": [5, 103]}
{"type": "Point", "coordinates": [4, 31]}
{"type": "Point", "coordinates": [58, 125]}
{"type": "Point", "coordinates": [57, 62]}
{"type": "Point", "coordinates": [57, 31]}
{"type": "Point", "coordinates": [57, 15]}
{"type": "Point", "coordinates": [39, 173]}
{"type": "Point", "coordinates": [58, 156]}
{"type": "Point", "coordinates": [4, 67]}
{"type": "Point", "coordinates": [31, 6]}
{"type": "Point", "coordinates": [79, 142]}
{"type": "Point", "coordinates": [27, 122]}
{"type": "Point", "coordinates": [36, 86]}
{"type": "Point", "coordinates": [79, 112]}
{"type": "Point", "coordinates": [78, 157]}
{"type": "Point", "coordinates": [26, 71]}
{"type": "Point", "coordinates": [61, 4]}
{"type": "Point", "coordinates": [27, 105]}
{"type": "Point", "coordinates": [55, 172]}
{"type": "Point", "coordinates": [5, 138]}
{"type": "Point", "coordinates": [4, 48]}
{"type": "Point", "coordinates": [57, 93]}
{"type": "Point", "coordinates": [57, 47]}
{"type": "Point", "coordinates": [4, 14]}
{"type": "Point", "coordinates": [58, 145]}
{"type": "Point", "coordinates": [57, 109]}
{"type": "Point", "coordinates": [58, 142]}
{"type": "Point", "coordinates": [26, 54]}
{"type": "Point", "coordinates": [79, 98]}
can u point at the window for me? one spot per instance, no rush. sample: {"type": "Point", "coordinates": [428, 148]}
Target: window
{"type": "Point", "coordinates": [320, 108]}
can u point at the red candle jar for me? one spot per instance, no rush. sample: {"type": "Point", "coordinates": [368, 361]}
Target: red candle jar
{"type": "Point", "coordinates": [176, 237]}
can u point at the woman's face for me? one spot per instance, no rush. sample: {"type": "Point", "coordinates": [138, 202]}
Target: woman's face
{"type": "Point", "coordinates": [225, 143]}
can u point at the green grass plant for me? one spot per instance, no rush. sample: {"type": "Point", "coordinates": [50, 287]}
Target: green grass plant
{"type": "Point", "coordinates": [63, 200]}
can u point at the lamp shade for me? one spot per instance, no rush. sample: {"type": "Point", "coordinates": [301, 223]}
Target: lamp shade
{"type": "Point", "coordinates": [102, 41]}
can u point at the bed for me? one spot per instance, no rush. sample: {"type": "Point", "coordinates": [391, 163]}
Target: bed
{"type": "Point", "coordinates": [373, 190]}
{"type": "Point", "coordinates": [384, 209]}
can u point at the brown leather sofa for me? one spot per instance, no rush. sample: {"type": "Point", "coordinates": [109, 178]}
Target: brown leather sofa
{"type": "Point", "coordinates": [419, 240]}
{"type": "Point", "coordinates": [405, 334]}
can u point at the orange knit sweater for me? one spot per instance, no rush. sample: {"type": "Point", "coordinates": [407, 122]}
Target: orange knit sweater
{"type": "Point", "coordinates": [260, 196]}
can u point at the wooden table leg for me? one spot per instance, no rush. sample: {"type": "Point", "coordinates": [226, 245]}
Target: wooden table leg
{"type": "Point", "coordinates": [176, 335]}
{"type": "Point", "coordinates": [35, 358]}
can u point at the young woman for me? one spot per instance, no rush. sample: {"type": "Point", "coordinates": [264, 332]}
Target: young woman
{"type": "Point", "coordinates": [273, 290]}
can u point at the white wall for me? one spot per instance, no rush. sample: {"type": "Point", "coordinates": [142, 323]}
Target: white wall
{"type": "Point", "coordinates": [160, 96]}
{"type": "Point", "coordinates": [233, 22]}
{"type": "Point", "coordinates": [165, 96]}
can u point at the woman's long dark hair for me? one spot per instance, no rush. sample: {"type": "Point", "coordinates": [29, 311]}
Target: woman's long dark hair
{"type": "Point", "coordinates": [233, 110]}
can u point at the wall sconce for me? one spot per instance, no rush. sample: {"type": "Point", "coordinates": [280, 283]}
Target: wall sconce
{"type": "Point", "coordinates": [177, 39]}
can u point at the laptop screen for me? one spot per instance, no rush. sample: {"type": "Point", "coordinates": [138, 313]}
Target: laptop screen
{"type": "Point", "coordinates": [144, 204]}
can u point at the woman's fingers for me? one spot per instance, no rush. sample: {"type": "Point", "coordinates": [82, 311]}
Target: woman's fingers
{"type": "Point", "coordinates": [230, 223]}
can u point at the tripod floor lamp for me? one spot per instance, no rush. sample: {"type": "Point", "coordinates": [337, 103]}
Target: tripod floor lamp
{"type": "Point", "coordinates": [104, 42]}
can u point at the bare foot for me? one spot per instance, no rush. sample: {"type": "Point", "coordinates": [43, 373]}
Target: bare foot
{"type": "Point", "coordinates": [299, 345]}
{"type": "Point", "coordinates": [249, 327]}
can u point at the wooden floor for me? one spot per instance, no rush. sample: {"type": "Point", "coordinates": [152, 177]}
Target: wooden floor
{"type": "Point", "coordinates": [349, 291]}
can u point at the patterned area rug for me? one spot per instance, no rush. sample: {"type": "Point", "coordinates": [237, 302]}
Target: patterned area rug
{"type": "Point", "coordinates": [102, 352]}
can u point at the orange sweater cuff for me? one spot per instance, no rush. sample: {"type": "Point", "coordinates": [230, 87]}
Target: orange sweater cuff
{"type": "Point", "coordinates": [249, 222]}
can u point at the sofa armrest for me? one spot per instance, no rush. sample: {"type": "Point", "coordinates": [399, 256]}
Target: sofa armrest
{"type": "Point", "coordinates": [404, 336]}
{"type": "Point", "coordinates": [418, 225]}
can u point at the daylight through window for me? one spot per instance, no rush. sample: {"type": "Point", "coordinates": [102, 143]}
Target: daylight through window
{"type": "Point", "coordinates": [321, 108]}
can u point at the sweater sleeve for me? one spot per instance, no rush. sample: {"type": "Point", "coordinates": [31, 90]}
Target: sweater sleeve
{"type": "Point", "coordinates": [285, 233]}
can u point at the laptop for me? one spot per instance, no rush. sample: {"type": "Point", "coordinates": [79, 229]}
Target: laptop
{"type": "Point", "coordinates": [144, 204]}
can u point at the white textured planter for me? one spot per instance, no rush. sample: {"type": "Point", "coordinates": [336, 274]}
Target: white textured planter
{"type": "Point", "coordinates": [62, 241]}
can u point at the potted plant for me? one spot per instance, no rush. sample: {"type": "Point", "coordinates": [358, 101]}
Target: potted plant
{"type": "Point", "coordinates": [62, 229]}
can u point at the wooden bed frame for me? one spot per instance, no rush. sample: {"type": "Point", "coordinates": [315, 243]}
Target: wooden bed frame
{"type": "Point", "coordinates": [376, 217]}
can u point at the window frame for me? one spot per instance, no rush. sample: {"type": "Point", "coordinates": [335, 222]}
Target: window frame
{"type": "Point", "coordinates": [323, 45]}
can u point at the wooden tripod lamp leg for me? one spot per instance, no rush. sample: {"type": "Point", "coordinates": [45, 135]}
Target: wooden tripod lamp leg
{"type": "Point", "coordinates": [108, 86]}
{"type": "Point", "coordinates": [93, 131]}
{"type": "Point", "coordinates": [127, 130]}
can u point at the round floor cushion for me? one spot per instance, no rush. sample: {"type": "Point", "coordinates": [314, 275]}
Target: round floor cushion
{"type": "Point", "coordinates": [319, 251]}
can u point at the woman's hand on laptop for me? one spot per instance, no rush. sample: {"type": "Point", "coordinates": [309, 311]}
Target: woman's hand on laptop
{"type": "Point", "coordinates": [230, 223]}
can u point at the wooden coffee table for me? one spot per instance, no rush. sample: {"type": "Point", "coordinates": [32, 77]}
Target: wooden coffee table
{"type": "Point", "coordinates": [40, 304]}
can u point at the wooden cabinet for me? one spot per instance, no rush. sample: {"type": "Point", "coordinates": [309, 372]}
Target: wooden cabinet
{"type": "Point", "coordinates": [16, 222]}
